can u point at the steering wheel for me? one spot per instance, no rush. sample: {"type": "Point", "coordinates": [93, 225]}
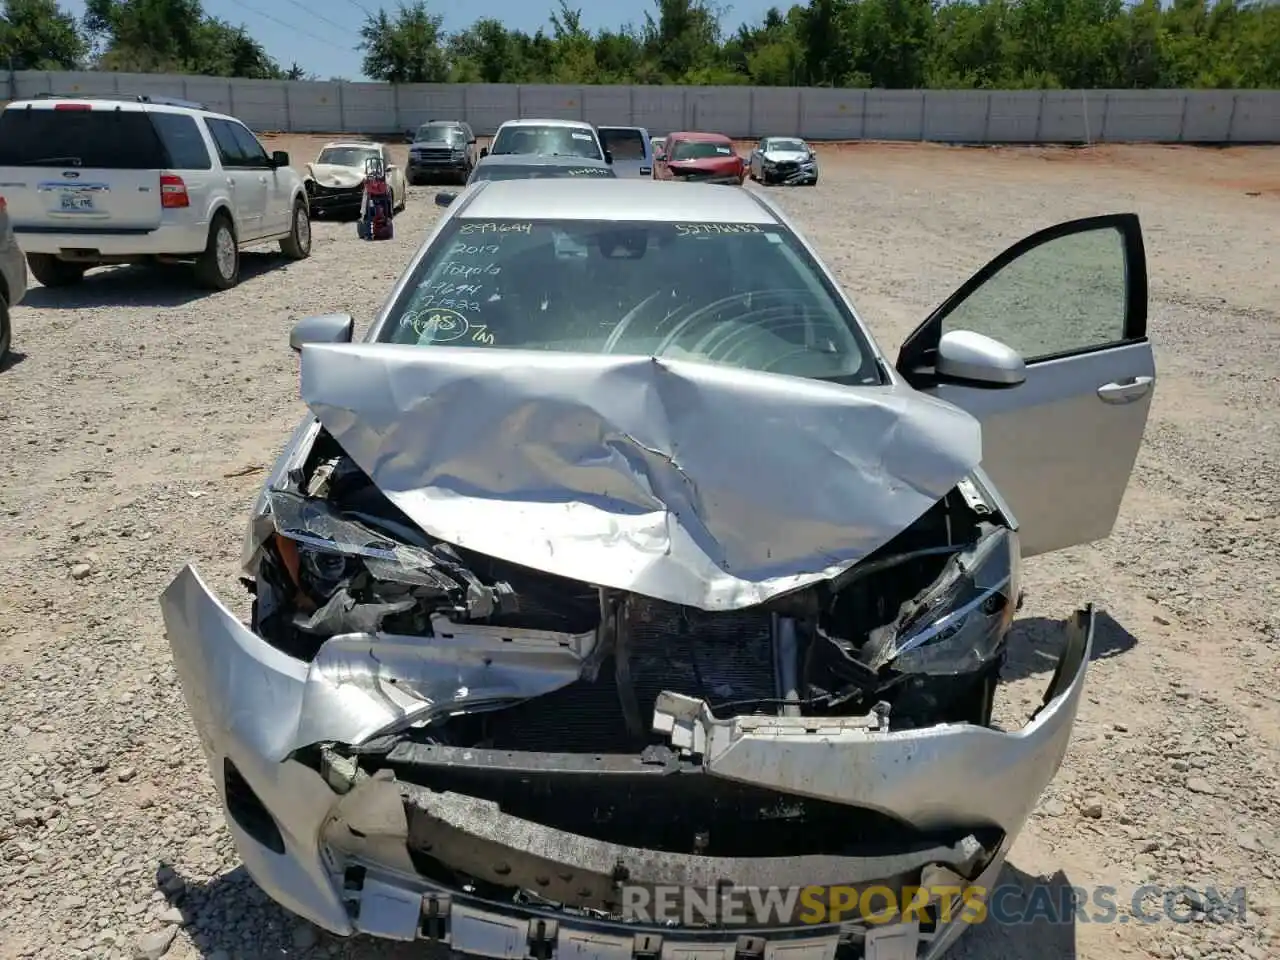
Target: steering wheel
{"type": "Point", "coordinates": [708, 344]}
{"type": "Point", "coordinates": [625, 322]}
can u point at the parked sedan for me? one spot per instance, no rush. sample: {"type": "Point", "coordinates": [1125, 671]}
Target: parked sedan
{"type": "Point", "coordinates": [670, 576]}
{"type": "Point", "coordinates": [703, 157]}
{"type": "Point", "coordinates": [13, 278]}
{"type": "Point", "coordinates": [335, 180]}
{"type": "Point", "coordinates": [786, 160]}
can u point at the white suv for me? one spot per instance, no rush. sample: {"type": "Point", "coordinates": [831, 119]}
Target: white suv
{"type": "Point", "coordinates": [91, 181]}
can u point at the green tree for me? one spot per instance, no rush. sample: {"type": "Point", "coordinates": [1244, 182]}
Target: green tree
{"type": "Point", "coordinates": [40, 35]}
{"type": "Point", "coordinates": [173, 36]}
{"type": "Point", "coordinates": [408, 48]}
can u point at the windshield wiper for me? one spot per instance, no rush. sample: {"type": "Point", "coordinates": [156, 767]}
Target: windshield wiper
{"type": "Point", "coordinates": [69, 161]}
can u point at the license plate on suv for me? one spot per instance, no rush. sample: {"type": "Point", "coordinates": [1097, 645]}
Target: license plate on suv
{"type": "Point", "coordinates": [73, 201]}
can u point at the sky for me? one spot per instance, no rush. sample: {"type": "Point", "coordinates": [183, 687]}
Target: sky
{"type": "Point", "coordinates": [324, 42]}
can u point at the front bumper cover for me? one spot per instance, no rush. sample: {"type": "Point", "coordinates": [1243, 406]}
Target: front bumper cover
{"type": "Point", "coordinates": [341, 856]}
{"type": "Point", "coordinates": [326, 200]}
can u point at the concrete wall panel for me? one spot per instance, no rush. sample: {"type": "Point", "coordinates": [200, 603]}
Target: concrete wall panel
{"type": "Point", "coordinates": [832, 114]}
{"type": "Point", "coordinates": [775, 111]}
{"type": "Point", "coordinates": [724, 110]}
{"type": "Point", "coordinates": [1071, 116]}
{"type": "Point", "coordinates": [661, 110]}
{"type": "Point", "coordinates": [1013, 117]}
{"type": "Point", "coordinates": [1256, 118]}
{"type": "Point", "coordinates": [893, 115]}
{"type": "Point", "coordinates": [548, 102]}
{"type": "Point", "coordinates": [1209, 117]}
{"type": "Point", "coordinates": [1143, 115]}
{"type": "Point", "coordinates": [956, 116]}
{"type": "Point", "coordinates": [949, 116]}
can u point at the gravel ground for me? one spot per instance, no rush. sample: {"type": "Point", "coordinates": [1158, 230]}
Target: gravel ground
{"type": "Point", "coordinates": [138, 416]}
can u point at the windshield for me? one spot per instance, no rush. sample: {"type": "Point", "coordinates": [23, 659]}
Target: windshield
{"type": "Point", "coordinates": [786, 145]}
{"type": "Point", "coordinates": [737, 294]}
{"type": "Point", "coordinates": [625, 143]}
{"type": "Point", "coordinates": [546, 141]}
{"type": "Point", "coordinates": [348, 156]}
{"type": "Point", "coordinates": [699, 149]}
{"type": "Point", "coordinates": [515, 171]}
{"type": "Point", "coordinates": [439, 133]}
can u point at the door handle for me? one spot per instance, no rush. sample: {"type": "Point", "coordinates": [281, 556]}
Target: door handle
{"type": "Point", "coordinates": [1125, 391]}
{"type": "Point", "coordinates": [231, 182]}
{"type": "Point", "coordinates": [263, 178]}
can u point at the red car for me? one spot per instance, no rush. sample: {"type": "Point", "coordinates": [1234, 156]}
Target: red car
{"type": "Point", "coordinates": [704, 157]}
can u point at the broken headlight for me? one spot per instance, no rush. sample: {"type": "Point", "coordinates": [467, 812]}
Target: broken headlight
{"type": "Point", "coordinates": [332, 548]}
{"type": "Point", "coordinates": [958, 623]}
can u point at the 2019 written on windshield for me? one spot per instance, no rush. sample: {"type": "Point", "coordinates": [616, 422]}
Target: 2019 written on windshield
{"type": "Point", "coordinates": [447, 308]}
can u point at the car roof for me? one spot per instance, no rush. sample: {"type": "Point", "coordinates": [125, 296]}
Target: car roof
{"type": "Point", "coordinates": [124, 105]}
{"type": "Point", "coordinates": [351, 143]}
{"type": "Point", "coordinates": [551, 122]}
{"type": "Point", "coordinates": [613, 199]}
{"type": "Point", "coordinates": [694, 135]}
{"type": "Point", "coordinates": [537, 160]}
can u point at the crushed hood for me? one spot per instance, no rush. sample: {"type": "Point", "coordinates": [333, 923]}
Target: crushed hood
{"type": "Point", "coordinates": [689, 482]}
{"type": "Point", "coordinates": [334, 175]}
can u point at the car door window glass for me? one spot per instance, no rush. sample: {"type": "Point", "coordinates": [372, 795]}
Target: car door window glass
{"type": "Point", "coordinates": [229, 149]}
{"type": "Point", "coordinates": [1066, 295]}
{"type": "Point", "coordinates": [250, 148]}
{"type": "Point", "coordinates": [183, 140]}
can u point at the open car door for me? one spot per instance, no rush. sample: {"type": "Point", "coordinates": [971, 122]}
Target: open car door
{"type": "Point", "coordinates": [1064, 384]}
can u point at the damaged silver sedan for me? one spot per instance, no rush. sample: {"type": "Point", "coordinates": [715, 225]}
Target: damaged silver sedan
{"type": "Point", "coordinates": [618, 557]}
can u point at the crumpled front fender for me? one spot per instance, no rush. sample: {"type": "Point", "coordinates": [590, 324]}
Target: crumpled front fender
{"type": "Point", "coordinates": [245, 695]}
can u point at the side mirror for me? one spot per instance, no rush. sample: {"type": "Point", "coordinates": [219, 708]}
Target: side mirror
{"type": "Point", "coordinates": [484, 151]}
{"type": "Point", "coordinates": [608, 156]}
{"type": "Point", "coordinates": [279, 158]}
{"type": "Point", "coordinates": [660, 156]}
{"type": "Point", "coordinates": [471, 141]}
{"type": "Point", "coordinates": [444, 198]}
{"type": "Point", "coordinates": [323, 328]}
{"type": "Point", "coordinates": [965, 355]}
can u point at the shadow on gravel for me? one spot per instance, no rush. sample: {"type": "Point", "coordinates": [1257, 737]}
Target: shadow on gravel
{"type": "Point", "coordinates": [1028, 918]}
{"type": "Point", "coordinates": [1035, 644]}
{"type": "Point", "coordinates": [230, 917]}
{"type": "Point", "coordinates": [12, 359]}
{"type": "Point", "coordinates": [143, 285]}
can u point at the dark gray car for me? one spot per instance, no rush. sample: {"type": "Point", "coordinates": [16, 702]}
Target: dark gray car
{"type": "Point", "coordinates": [442, 149]}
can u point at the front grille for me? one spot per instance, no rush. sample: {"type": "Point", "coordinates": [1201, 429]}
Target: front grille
{"type": "Point", "coordinates": [787, 166]}
{"type": "Point", "coordinates": [432, 155]}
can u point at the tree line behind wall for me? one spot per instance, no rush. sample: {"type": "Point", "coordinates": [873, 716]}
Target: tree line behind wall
{"type": "Point", "coordinates": [987, 44]}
